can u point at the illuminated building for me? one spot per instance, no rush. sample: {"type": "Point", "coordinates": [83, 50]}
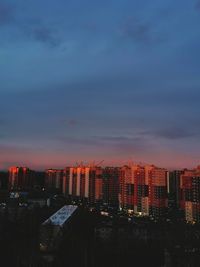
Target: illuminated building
{"type": "Point", "coordinates": [54, 180]}
{"type": "Point", "coordinates": [143, 190]}
{"type": "Point", "coordinates": [158, 199]}
{"type": "Point", "coordinates": [83, 182]}
{"type": "Point", "coordinates": [92, 184]}
{"type": "Point", "coordinates": [99, 188]}
{"type": "Point", "coordinates": [21, 178]}
{"type": "Point", "coordinates": [134, 188]}
{"type": "Point", "coordinates": [126, 191]}
{"type": "Point", "coordinates": [141, 176]}
{"type": "Point", "coordinates": [190, 195]}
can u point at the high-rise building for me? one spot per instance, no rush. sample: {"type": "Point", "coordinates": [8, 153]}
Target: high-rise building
{"type": "Point", "coordinates": [92, 184]}
{"type": "Point", "coordinates": [110, 186]}
{"type": "Point", "coordinates": [83, 182]}
{"type": "Point", "coordinates": [126, 188]}
{"type": "Point", "coordinates": [143, 189]}
{"type": "Point", "coordinates": [99, 189]}
{"type": "Point", "coordinates": [3, 180]}
{"type": "Point", "coordinates": [21, 178]}
{"type": "Point", "coordinates": [54, 180]}
{"type": "Point", "coordinates": [134, 188]}
{"type": "Point", "coordinates": [141, 175]}
{"type": "Point", "coordinates": [190, 195]}
{"type": "Point", "coordinates": [173, 188]}
{"type": "Point", "coordinates": [158, 199]}
{"type": "Point", "coordinates": [65, 185]}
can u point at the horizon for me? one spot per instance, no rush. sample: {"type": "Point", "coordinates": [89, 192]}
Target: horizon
{"type": "Point", "coordinates": [103, 165]}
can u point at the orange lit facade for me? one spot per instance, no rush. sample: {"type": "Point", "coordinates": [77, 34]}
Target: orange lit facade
{"type": "Point", "coordinates": [21, 178]}
{"type": "Point", "coordinates": [190, 195]}
{"type": "Point", "coordinates": [126, 188]}
{"type": "Point", "coordinates": [98, 190]}
{"type": "Point", "coordinates": [143, 189]}
{"type": "Point", "coordinates": [158, 198]}
{"type": "Point", "coordinates": [83, 183]}
{"type": "Point", "coordinates": [92, 184]}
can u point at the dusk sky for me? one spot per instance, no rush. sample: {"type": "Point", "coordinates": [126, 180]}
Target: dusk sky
{"type": "Point", "coordinates": [84, 80]}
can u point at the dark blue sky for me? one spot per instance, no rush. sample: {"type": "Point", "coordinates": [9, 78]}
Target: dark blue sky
{"type": "Point", "coordinates": [89, 80]}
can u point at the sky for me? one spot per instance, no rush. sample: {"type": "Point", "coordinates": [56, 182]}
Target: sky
{"type": "Point", "coordinates": [113, 80]}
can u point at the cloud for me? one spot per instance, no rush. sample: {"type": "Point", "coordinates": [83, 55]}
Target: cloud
{"type": "Point", "coordinates": [79, 141]}
{"type": "Point", "coordinates": [6, 13]}
{"type": "Point", "coordinates": [119, 139]}
{"type": "Point", "coordinates": [72, 122]}
{"type": "Point", "coordinates": [110, 144]}
{"type": "Point", "coordinates": [170, 133]}
{"type": "Point", "coordinates": [45, 35]}
{"type": "Point", "coordinates": [127, 145]}
{"type": "Point", "coordinates": [37, 30]}
{"type": "Point", "coordinates": [136, 30]}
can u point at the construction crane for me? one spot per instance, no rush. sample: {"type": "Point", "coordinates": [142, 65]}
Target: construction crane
{"type": "Point", "coordinates": [94, 164]}
{"type": "Point", "coordinates": [90, 164]}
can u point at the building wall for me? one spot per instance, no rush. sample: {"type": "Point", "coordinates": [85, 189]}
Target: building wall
{"type": "Point", "coordinates": [190, 195]}
{"type": "Point", "coordinates": [173, 188]}
{"type": "Point", "coordinates": [54, 180]}
{"type": "Point", "coordinates": [144, 190]}
{"type": "Point", "coordinates": [110, 190]}
{"type": "Point", "coordinates": [158, 199]}
{"type": "Point", "coordinates": [21, 178]}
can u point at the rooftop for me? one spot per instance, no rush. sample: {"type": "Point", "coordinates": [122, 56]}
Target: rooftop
{"type": "Point", "coordinates": [61, 216]}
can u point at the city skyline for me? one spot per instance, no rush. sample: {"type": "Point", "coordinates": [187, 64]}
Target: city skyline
{"type": "Point", "coordinates": [145, 190]}
{"type": "Point", "coordinates": [94, 164]}
{"type": "Point", "coordinates": [110, 80]}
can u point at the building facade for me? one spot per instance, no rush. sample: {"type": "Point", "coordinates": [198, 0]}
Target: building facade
{"type": "Point", "coordinates": [110, 186]}
{"type": "Point", "coordinates": [21, 179]}
{"type": "Point", "coordinates": [54, 180]}
{"type": "Point", "coordinates": [143, 190]}
{"type": "Point", "coordinates": [190, 195]}
{"type": "Point", "coordinates": [173, 188]}
{"type": "Point", "coordinates": [83, 182]}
